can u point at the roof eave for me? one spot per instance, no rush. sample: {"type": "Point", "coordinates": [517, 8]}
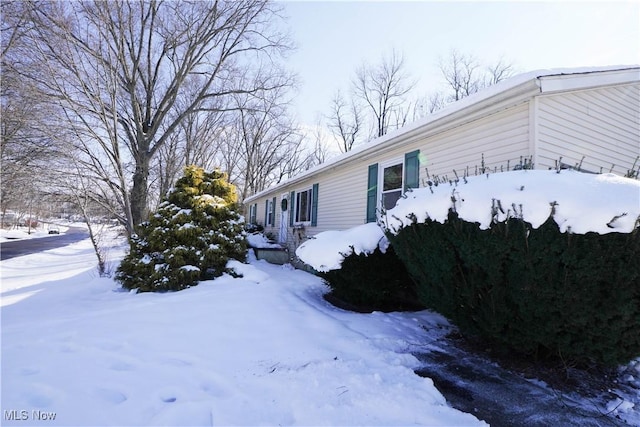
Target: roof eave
{"type": "Point", "coordinates": [502, 95]}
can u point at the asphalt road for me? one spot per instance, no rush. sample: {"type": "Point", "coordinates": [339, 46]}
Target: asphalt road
{"type": "Point", "coordinates": [12, 249]}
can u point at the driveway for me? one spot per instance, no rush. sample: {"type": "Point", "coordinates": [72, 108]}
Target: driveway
{"type": "Point", "coordinates": [476, 384]}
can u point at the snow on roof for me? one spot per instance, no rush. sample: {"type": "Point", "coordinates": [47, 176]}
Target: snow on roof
{"type": "Point", "coordinates": [506, 85]}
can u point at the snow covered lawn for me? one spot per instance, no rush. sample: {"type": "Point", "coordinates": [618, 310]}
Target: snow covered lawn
{"type": "Point", "coordinates": [265, 349]}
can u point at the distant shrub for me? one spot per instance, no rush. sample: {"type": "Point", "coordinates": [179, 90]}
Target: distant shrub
{"type": "Point", "coordinates": [374, 282]}
{"type": "Point", "coordinates": [195, 231]}
{"type": "Point", "coordinates": [535, 291]}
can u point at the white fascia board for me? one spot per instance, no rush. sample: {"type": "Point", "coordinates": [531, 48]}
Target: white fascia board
{"type": "Point", "coordinates": [589, 79]}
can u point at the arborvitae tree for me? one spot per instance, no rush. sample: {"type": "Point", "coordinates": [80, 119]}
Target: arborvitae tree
{"type": "Point", "coordinates": [195, 231]}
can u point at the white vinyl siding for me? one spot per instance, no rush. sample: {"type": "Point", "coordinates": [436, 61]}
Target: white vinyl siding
{"type": "Point", "coordinates": [344, 198]}
{"type": "Point", "coordinates": [603, 125]}
{"type": "Point", "coordinates": [343, 203]}
{"type": "Point", "coordinates": [502, 137]}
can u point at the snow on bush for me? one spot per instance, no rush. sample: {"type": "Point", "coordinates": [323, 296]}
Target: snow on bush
{"type": "Point", "coordinates": [195, 231]}
{"type": "Point", "coordinates": [326, 251]}
{"type": "Point", "coordinates": [580, 202]}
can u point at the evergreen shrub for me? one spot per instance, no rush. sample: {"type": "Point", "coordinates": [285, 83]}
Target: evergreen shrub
{"type": "Point", "coordinates": [195, 231]}
{"type": "Point", "coordinates": [539, 292]}
{"type": "Point", "coordinates": [374, 282]}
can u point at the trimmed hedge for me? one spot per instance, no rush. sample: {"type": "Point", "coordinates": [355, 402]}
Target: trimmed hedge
{"type": "Point", "coordinates": [534, 291]}
{"type": "Point", "coordinates": [374, 282]}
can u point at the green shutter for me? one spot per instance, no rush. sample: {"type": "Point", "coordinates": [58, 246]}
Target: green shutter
{"type": "Point", "coordinates": [273, 212]}
{"type": "Point", "coordinates": [266, 212]}
{"type": "Point", "coordinates": [291, 207]}
{"type": "Point", "coordinates": [412, 170]}
{"type": "Point", "coordinates": [372, 193]}
{"type": "Point", "coordinates": [314, 205]}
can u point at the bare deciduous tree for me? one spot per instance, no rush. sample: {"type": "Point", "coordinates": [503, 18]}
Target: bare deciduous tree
{"type": "Point", "coordinates": [498, 72]}
{"type": "Point", "coordinates": [118, 69]}
{"type": "Point", "coordinates": [465, 75]}
{"type": "Point", "coordinates": [262, 141]}
{"type": "Point", "coordinates": [318, 146]}
{"type": "Point", "coordinates": [382, 88]}
{"type": "Point", "coordinates": [345, 121]}
{"type": "Point", "coordinates": [27, 124]}
{"type": "Point", "coordinates": [461, 73]}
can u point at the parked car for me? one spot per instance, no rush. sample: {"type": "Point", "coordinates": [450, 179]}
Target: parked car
{"type": "Point", "coordinates": [54, 230]}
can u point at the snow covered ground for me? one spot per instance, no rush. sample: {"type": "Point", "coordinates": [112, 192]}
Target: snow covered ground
{"type": "Point", "coordinates": [265, 349]}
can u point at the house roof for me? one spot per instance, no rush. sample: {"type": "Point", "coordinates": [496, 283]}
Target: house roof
{"type": "Point", "coordinates": [523, 85]}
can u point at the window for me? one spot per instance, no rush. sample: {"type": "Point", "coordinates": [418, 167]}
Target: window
{"type": "Point", "coordinates": [391, 185]}
{"type": "Point", "coordinates": [303, 206]}
{"type": "Point", "coordinates": [387, 182]}
{"type": "Point", "coordinates": [269, 212]}
{"type": "Point", "coordinates": [253, 213]}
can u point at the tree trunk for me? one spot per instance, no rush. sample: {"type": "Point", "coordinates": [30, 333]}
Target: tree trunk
{"type": "Point", "coordinates": [139, 191]}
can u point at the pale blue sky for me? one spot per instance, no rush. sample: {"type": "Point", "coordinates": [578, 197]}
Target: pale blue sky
{"type": "Point", "coordinates": [335, 37]}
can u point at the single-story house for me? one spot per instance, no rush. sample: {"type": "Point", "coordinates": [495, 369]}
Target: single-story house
{"type": "Point", "coordinates": [588, 117]}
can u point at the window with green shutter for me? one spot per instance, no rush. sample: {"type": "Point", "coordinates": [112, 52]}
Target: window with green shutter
{"type": "Point", "coordinates": [253, 213]}
{"type": "Point", "coordinates": [267, 212]}
{"type": "Point", "coordinates": [305, 210]}
{"type": "Point", "coordinates": [391, 183]}
{"type": "Point", "coordinates": [389, 180]}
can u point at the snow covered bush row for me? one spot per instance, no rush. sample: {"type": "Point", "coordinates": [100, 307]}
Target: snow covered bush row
{"type": "Point", "coordinates": [535, 261]}
{"type": "Point", "coordinates": [540, 262]}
